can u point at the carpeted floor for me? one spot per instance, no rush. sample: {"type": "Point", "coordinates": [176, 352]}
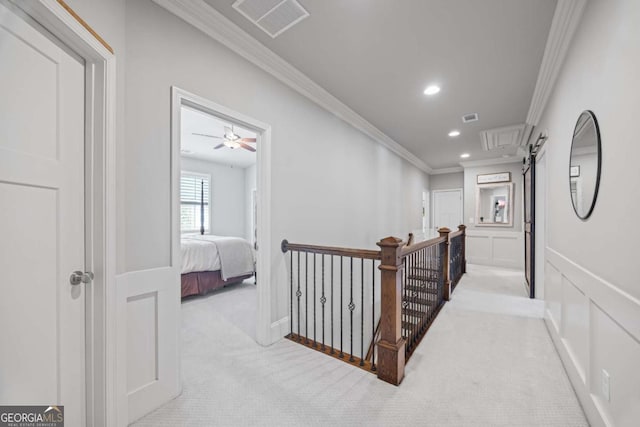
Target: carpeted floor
{"type": "Point", "coordinates": [487, 361]}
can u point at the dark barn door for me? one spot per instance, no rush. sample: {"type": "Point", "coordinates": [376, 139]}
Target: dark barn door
{"type": "Point", "coordinates": [529, 173]}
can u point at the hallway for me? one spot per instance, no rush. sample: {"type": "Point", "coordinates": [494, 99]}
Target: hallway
{"type": "Point", "coordinates": [487, 360]}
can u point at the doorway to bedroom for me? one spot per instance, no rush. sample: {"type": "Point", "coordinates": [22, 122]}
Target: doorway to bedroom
{"type": "Point", "coordinates": [218, 210]}
{"type": "Point", "coordinates": [217, 219]}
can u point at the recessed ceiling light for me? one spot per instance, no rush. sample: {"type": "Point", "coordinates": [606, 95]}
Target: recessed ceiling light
{"type": "Point", "coordinates": [464, 155]}
{"type": "Point", "coordinates": [454, 133]}
{"type": "Point", "coordinates": [432, 90]}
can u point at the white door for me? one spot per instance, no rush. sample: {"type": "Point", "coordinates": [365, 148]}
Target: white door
{"type": "Point", "coordinates": [540, 223]}
{"type": "Point", "coordinates": [447, 208]}
{"type": "Point", "coordinates": [41, 221]}
{"type": "Point", "coordinates": [425, 210]}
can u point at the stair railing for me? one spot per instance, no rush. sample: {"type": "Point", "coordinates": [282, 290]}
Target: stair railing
{"type": "Point", "coordinates": [333, 306]}
{"type": "Point", "coordinates": [340, 307]}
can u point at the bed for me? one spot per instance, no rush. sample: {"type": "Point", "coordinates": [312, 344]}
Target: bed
{"type": "Point", "coordinates": [211, 262]}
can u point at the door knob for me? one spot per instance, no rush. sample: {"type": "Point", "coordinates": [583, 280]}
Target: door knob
{"type": "Point", "coordinates": [78, 277]}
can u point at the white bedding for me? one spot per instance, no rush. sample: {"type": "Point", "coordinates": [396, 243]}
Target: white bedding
{"type": "Point", "coordinates": [233, 256]}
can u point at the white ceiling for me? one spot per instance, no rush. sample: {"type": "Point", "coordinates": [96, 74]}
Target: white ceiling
{"type": "Point", "coordinates": [200, 147]}
{"type": "Point", "coordinates": [377, 56]}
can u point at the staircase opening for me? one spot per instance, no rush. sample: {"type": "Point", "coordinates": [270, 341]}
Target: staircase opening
{"type": "Point", "coordinates": [346, 301]}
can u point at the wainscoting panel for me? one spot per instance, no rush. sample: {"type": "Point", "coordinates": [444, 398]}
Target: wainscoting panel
{"type": "Point", "coordinates": [575, 324]}
{"type": "Point", "coordinates": [478, 249]}
{"type": "Point", "coordinates": [553, 295]}
{"type": "Point", "coordinates": [495, 247]}
{"type": "Point", "coordinates": [597, 334]}
{"type": "Point", "coordinates": [149, 351]}
{"type": "Point", "coordinates": [613, 350]}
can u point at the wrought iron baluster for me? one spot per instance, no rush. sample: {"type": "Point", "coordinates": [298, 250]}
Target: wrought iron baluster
{"type": "Point", "coordinates": [405, 300]}
{"type": "Point", "coordinates": [421, 289]}
{"type": "Point", "coordinates": [299, 294]}
{"type": "Point", "coordinates": [361, 311]}
{"type": "Point", "coordinates": [323, 300]}
{"type": "Point", "coordinates": [341, 302]}
{"type": "Point", "coordinates": [314, 300]}
{"type": "Point", "coordinates": [332, 347]}
{"type": "Point", "coordinates": [291, 294]}
{"type": "Point", "coordinates": [306, 297]}
{"type": "Point", "coordinates": [351, 308]}
{"type": "Point", "coordinates": [414, 296]}
{"type": "Point", "coordinates": [405, 305]}
{"type": "Point", "coordinates": [373, 314]}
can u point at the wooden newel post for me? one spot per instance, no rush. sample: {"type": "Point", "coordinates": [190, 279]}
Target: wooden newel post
{"type": "Point", "coordinates": [463, 228]}
{"type": "Point", "coordinates": [444, 232]}
{"type": "Point", "coordinates": [391, 345]}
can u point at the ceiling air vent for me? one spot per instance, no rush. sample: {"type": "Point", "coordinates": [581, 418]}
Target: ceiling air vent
{"type": "Point", "coordinates": [272, 16]}
{"type": "Point", "coordinates": [468, 118]}
{"type": "Point", "coordinates": [501, 138]}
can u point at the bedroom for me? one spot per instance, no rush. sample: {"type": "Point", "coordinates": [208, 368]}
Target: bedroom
{"type": "Point", "coordinates": [218, 218]}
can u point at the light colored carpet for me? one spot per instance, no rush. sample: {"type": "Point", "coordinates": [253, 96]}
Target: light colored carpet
{"type": "Point", "coordinates": [487, 361]}
{"type": "Point", "coordinates": [237, 304]}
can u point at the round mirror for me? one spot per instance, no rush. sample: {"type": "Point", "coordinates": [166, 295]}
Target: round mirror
{"type": "Point", "coordinates": [584, 167]}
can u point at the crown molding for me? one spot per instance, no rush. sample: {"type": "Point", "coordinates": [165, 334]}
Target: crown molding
{"type": "Point", "coordinates": [565, 22]}
{"type": "Point", "coordinates": [446, 170]}
{"type": "Point", "coordinates": [491, 162]}
{"type": "Point", "coordinates": [211, 22]}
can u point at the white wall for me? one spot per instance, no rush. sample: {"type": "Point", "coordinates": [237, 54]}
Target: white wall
{"type": "Point", "coordinates": [592, 289]}
{"type": "Point", "coordinates": [331, 184]}
{"type": "Point", "coordinates": [498, 246]}
{"type": "Point", "coordinates": [446, 181]}
{"type": "Point", "coordinates": [228, 195]}
{"type": "Point", "coordinates": [250, 185]}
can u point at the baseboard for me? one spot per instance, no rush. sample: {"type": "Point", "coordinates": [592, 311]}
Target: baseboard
{"type": "Point", "coordinates": [279, 329]}
{"type": "Point", "coordinates": [594, 415]}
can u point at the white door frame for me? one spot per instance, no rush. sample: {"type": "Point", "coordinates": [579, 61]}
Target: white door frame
{"type": "Point", "coordinates": [100, 213]}
{"type": "Point", "coordinates": [181, 97]}
{"type": "Point", "coordinates": [433, 203]}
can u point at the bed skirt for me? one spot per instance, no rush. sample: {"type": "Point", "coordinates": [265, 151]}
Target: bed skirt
{"type": "Point", "coordinates": [201, 282]}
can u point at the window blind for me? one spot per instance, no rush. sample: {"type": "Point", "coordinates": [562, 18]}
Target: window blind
{"type": "Point", "coordinates": [191, 186]}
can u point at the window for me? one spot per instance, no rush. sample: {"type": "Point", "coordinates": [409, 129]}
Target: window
{"type": "Point", "coordinates": [194, 188]}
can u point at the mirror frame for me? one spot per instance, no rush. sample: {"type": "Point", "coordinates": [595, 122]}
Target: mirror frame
{"type": "Point", "coordinates": [511, 205]}
{"type": "Point", "coordinates": [599, 145]}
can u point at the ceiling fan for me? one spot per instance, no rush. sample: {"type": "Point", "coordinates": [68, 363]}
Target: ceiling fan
{"type": "Point", "coordinates": [231, 140]}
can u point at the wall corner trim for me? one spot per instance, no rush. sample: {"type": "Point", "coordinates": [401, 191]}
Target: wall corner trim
{"type": "Point", "coordinates": [565, 22]}
{"type": "Point", "coordinates": [211, 22]}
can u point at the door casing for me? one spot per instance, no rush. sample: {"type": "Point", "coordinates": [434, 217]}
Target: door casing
{"type": "Point", "coordinates": [180, 97]}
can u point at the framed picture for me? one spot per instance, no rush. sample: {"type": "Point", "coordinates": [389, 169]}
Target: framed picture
{"type": "Point", "coordinates": [492, 178]}
{"type": "Point", "coordinates": [574, 171]}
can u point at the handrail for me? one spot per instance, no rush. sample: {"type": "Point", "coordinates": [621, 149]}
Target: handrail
{"type": "Point", "coordinates": [455, 234]}
{"type": "Point", "coordinates": [330, 250]}
{"type": "Point", "coordinates": [408, 250]}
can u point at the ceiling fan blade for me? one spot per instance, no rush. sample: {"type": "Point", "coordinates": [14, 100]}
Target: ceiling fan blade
{"type": "Point", "coordinates": [247, 140]}
{"type": "Point", "coordinates": [218, 146]}
{"type": "Point", "coordinates": [245, 146]}
{"type": "Point", "coordinates": [208, 136]}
